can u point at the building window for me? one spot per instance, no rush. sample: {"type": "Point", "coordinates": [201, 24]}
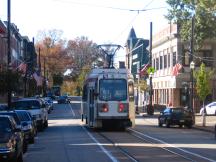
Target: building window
{"type": "Point", "coordinates": [165, 61]}
{"type": "Point", "coordinates": [161, 62]}
{"type": "Point", "coordinates": [174, 58]}
{"type": "Point", "coordinates": [168, 65]}
{"type": "Point", "coordinates": [157, 63]}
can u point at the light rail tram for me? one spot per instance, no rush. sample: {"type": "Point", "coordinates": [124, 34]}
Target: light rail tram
{"type": "Point", "coordinates": [108, 98]}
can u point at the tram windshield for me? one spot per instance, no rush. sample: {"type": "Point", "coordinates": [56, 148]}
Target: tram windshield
{"type": "Point", "coordinates": [112, 89]}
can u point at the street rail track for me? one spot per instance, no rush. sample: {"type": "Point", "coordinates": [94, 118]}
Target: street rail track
{"type": "Point", "coordinates": [137, 134]}
{"type": "Point", "coordinates": [190, 156]}
{"type": "Point", "coordinates": [178, 153]}
{"type": "Point", "coordinates": [124, 151]}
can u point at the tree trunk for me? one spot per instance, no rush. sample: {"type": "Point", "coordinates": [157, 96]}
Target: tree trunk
{"type": "Point", "coordinates": [204, 116]}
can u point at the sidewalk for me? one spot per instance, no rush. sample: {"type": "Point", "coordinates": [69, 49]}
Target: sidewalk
{"type": "Point", "coordinates": [210, 123]}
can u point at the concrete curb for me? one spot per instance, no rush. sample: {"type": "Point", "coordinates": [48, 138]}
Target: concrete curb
{"type": "Point", "coordinates": [204, 129]}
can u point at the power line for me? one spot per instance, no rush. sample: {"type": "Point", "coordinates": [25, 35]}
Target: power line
{"type": "Point", "coordinates": [134, 18]}
{"type": "Point", "coordinates": [210, 59]}
{"type": "Point", "coordinates": [108, 7]}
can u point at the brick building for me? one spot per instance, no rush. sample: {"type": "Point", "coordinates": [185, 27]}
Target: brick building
{"type": "Point", "coordinates": [168, 50]}
{"type": "Point", "coordinates": [22, 51]}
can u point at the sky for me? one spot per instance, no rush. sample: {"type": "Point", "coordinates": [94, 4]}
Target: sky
{"type": "Point", "coordinates": [102, 21]}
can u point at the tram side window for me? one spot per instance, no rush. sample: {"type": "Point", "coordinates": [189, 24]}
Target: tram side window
{"type": "Point", "coordinates": [84, 94]}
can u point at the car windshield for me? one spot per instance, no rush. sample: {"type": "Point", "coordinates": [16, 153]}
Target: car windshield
{"type": "Point", "coordinates": [4, 125]}
{"type": "Point", "coordinates": [113, 89]}
{"type": "Point", "coordinates": [23, 116]}
{"type": "Point", "coordinates": [3, 107]}
{"type": "Point", "coordinates": [62, 97]}
{"type": "Point", "coordinates": [13, 114]}
{"type": "Point", "coordinates": [26, 105]}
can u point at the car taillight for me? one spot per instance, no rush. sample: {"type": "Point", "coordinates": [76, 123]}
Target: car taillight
{"type": "Point", "coordinates": [105, 107]}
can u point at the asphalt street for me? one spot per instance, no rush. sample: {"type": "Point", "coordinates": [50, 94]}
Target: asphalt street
{"type": "Point", "coordinates": [68, 140]}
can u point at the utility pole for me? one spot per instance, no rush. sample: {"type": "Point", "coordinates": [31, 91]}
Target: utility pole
{"type": "Point", "coordinates": [39, 60]}
{"type": "Point", "coordinates": [192, 66]}
{"type": "Point", "coordinates": [25, 81]}
{"type": "Point", "coordinates": [25, 77]}
{"type": "Point", "coordinates": [39, 90]}
{"type": "Point", "coordinates": [9, 52]}
{"type": "Point", "coordinates": [191, 60]}
{"type": "Point", "coordinates": [138, 87]}
{"type": "Point", "coordinates": [151, 108]}
{"type": "Point", "coordinates": [44, 82]}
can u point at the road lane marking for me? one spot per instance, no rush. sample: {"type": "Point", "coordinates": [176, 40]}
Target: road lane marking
{"type": "Point", "coordinates": [173, 146]}
{"type": "Point", "coordinates": [72, 110]}
{"type": "Point", "coordinates": [90, 144]}
{"type": "Point", "coordinates": [101, 146]}
{"type": "Point", "coordinates": [75, 102]}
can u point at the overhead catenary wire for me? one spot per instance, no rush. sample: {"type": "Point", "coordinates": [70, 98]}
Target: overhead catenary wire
{"type": "Point", "coordinates": [115, 8]}
{"type": "Point", "coordinates": [132, 20]}
{"type": "Point", "coordinates": [109, 7]}
{"type": "Point", "coordinates": [200, 58]}
{"type": "Point", "coordinates": [137, 11]}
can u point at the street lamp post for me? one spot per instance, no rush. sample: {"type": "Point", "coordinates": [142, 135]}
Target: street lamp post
{"type": "Point", "coordinates": [192, 66]}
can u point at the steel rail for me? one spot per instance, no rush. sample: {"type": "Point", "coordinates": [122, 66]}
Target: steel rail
{"type": "Point", "coordinates": [147, 138]}
{"type": "Point", "coordinates": [123, 151]}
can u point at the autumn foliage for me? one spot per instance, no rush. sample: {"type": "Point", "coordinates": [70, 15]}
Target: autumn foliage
{"type": "Point", "coordinates": [58, 55]}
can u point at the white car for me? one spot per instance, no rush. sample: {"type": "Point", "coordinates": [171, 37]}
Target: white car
{"type": "Point", "coordinates": [37, 109]}
{"type": "Point", "coordinates": [210, 109]}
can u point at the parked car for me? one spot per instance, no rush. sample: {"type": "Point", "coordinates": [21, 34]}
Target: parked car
{"type": "Point", "coordinates": [3, 107]}
{"type": "Point", "coordinates": [28, 125]}
{"type": "Point", "coordinates": [37, 109]}
{"type": "Point", "coordinates": [210, 109]}
{"type": "Point", "coordinates": [63, 100]}
{"type": "Point", "coordinates": [176, 116]}
{"type": "Point", "coordinates": [34, 121]}
{"type": "Point", "coordinates": [19, 126]}
{"type": "Point", "coordinates": [49, 104]}
{"type": "Point", "coordinates": [50, 101]}
{"type": "Point", "coordinates": [11, 140]}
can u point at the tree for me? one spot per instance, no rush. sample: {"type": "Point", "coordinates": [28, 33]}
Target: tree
{"type": "Point", "coordinates": [182, 11]}
{"type": "Point", "coordinates": [84, 53]}
{"type": "Point", "coordinates": [76, 55]}
{"type": "Point", "coordinates": [80, 80]}
{"type": "Point", "coordinates": [57, 79]}
{"type": "Point", "coordinates": [53, 51]}
{"type": "Point", "coordinates": [14, 77]}
{"type": "Point", "coordinates": [202, 85]}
